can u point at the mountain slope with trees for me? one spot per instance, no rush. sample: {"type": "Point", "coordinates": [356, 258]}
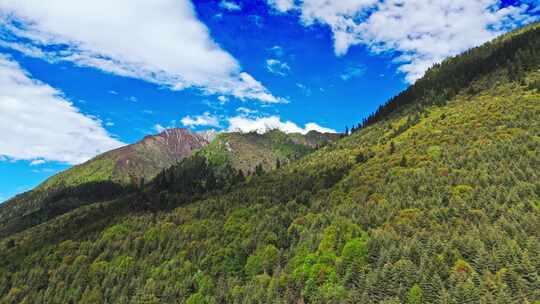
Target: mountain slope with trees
{"type": "Point", "coordinates": [432, 200]}
{"type": "Point", "coordinates": [128, 169]}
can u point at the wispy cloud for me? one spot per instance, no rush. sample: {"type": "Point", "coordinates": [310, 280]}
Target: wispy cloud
{"type": "Point", "coordinates": [37, 162]}
{"type": "Point", "coordinates": [246, 112]}
{"type": "Point", "coordinates": [353, 72]}
{"type": "Point", "coordinates": [305, 89]}
{"type": "Point", "coordinates": [132, 99]}
{"type": "Point", "coordinates": [230, 5]}
{"type": "Point", "coordinates": [277, 50]}
{"type": "Point", "coordinates": [277, 67]}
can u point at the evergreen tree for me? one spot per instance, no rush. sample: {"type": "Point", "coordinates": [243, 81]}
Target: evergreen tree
{"type": "Point", "coordinates": [414, 296]}
{"type": "Point", "coordinates": [259, 170]}
{"type": "Point", "coordinates": [403, 161]}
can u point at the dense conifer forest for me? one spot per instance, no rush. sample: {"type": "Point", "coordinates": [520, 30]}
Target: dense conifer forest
{"type": "Point", "coordinates": [435, 198]}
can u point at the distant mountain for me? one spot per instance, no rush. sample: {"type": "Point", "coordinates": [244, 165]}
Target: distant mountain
{"type": "Point", "coordinates": [141, 160]}
{"type": "Point", "coordinates": [101, 178]}
{"type": "Point", "coordinates": [119, 171]}
{"type": "Point", "coordinates": [244, 151]}
{"type": "Point", "coordinates": [435, 198]}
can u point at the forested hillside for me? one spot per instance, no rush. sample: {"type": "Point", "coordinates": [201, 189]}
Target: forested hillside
{"type": "Point", "coordinates": [104, 177]}
{"type": "Point", "coordinates": [433, 199]}
{"type": "Point", "coordinates": [128, 169]}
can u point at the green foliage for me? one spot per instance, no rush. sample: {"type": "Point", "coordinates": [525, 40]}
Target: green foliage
{"type": "Point", "coordinates": [534, 85]}
{"type": "Point", "coordinates": [355, 253]}
{"type": "Point", "coordinates": [515, 54]}
{"type": "Point", "coordinates": [197, 298]}
{"type": "Point", "coordinates": [100, 169]}
{"type": "Point", "coordinates": [263, 260]}
{"type": "Point", "coordinates": [414, 296]}
{"type": "Point", "coordinates": [457, 222]}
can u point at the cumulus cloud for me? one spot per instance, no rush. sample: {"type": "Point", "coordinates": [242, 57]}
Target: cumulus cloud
{"type": "Point", "coordinates": [39, 124]}
{"type": "Point", "coordinates": [160, 41]}
{"type": "Point", "coordinates": [159, 128]}
{"type": "Point", "coordinates": [419, 32]}
{"type": "Point", "coordinates": [204, 120]}
{"type": "Point", "coordinates": [277, 67]}
{"type": "Point", "coordinates": [265, 124]}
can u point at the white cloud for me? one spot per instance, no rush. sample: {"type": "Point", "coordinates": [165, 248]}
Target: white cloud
{"type": "Point", "coordinates": [206, 119]}
{"type": "Point", "coordinates": [281, 5]}
{"type": "Point", "coordinates": [39, 124]}
{"type": "Point", "coordinates": [109, 124]}
{"type": "Point", "coordinates": [160, 41]}
{"type": "Point", "coordinates": [28, 50]}
{"type": "Point", "coordinates": [353, 72]}
{"type": "Point", "coordinates": [245, 111]}
{"type": "Point", "coordinates": [277, 67]}
{"type": "Point", "coordinates": [159, 128]}
{"type": "Point", "coordinates": [311, 126]}
{"type": "Point", "coordinates": [37, 162]}
{"type": "Point", "coordinates": [264, 124]}
{"type": "Point", "coordinates": [230, 6]}
{"type": "Point", "coordinates": [419, 32]}
{"type": "Point", "coordinates": [223, 99]}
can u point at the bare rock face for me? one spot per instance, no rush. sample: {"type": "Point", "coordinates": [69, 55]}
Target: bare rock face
{"type": "Point", "coordinates": [153, 153]}
{"type": "Point", "coordinates": [208, 135]}
{"type": "Point", "coordinates": [178, 142]}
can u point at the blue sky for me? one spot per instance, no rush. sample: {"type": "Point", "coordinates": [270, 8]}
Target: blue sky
{"type": "Point", "coordinates": [79, 79]}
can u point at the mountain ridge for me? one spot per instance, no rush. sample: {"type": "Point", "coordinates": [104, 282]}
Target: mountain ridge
{"type": "Point", "coordinates": [121, 170]}
{"type": "Point", "coordinates": [153, 153]}
{"type": "Point", "coordinates": [435, 201]}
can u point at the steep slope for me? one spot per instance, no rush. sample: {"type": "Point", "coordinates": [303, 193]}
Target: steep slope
{"type": "Point", "coordinates": [244, 151]}
{"type": "Point", "coordinates": [123, 170]}
{"type": "Point", "coordinates": [144, 159]}
{"type": "Point", "coordinates": [432, 201]}
{"type": "Point", "coordinates": [101, 178]}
